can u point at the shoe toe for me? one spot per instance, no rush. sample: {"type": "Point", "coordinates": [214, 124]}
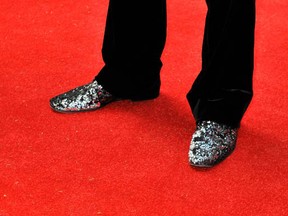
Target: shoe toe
{"type": "Point", "coordinates": [211, 143]}
{"type": "Point", "coordinates": [55, 104]}
{"type": "Point", "coordinates": [91, 96]}
{"type": "Point", "coordinates": [200, 157]}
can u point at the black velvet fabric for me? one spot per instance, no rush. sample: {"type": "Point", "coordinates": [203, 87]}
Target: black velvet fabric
{"type": "Point", "coordinates": [134, 40]}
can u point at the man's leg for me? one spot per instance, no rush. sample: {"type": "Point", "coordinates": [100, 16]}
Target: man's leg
{"type": "Point", "coordinates": [223, 89]}
{"type": "Point", "coordinates": [134, 39]}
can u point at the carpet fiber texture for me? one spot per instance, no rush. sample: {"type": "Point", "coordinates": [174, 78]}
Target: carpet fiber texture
{"type": "Point", "coordinates": [131, 158]}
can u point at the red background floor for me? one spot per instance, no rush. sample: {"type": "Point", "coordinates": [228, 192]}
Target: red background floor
{"type": "Point", "coordinates": [131, 158]}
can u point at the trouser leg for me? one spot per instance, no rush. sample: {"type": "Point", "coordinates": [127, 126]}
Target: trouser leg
{"type": "Point", "coordinates": [223, 89]}
{"type": "Point", "coordinates": [134, 39]}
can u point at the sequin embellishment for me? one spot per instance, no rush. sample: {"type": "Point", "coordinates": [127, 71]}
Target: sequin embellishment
{"type": "Point", "coordinates": [211, 143]}
{"type": "Point", "coordinates": [83, 98]}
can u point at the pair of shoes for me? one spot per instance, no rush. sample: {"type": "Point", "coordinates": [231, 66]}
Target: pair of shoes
{"type": "Point", "coordinates": [87, 97]}
{"type": "Point", "coordinates": [211, 143]}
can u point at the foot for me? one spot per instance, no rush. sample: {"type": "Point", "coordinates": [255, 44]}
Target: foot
{"type": "Point", "coordinates": [211, 143]}
{"type": "Point", "coordinates": [88, 97]}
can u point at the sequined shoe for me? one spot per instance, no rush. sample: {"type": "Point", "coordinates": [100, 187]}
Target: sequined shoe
{"type": "Point", "coordinates": [211, 143]}
{"type": "Point", "coordinates": [88, 97]}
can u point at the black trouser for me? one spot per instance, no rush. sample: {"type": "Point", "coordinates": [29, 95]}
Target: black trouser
{"type": "Point", "coordinates": [134, 39]}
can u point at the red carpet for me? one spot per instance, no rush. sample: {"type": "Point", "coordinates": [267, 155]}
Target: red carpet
{"type": "Point", "coordinates": [131, 158]}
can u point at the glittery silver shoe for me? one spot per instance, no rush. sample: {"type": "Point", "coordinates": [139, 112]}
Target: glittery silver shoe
{"type": "Point", "coordinates": [211, 143]}
{"type": "Point", "coordinates": [88, 97]}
